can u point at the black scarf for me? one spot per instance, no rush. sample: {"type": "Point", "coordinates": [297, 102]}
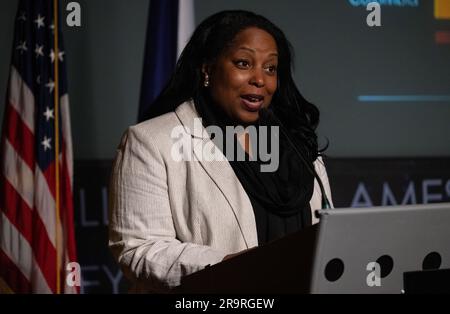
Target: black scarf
{"type": "Point", "coordinates": [280, 199]}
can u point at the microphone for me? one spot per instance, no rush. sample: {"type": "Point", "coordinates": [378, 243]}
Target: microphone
{"type": "Point", "coordinates": [325, 201]}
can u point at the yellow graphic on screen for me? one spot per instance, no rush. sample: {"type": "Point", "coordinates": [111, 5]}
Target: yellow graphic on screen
{"type": "Point", "coordinates": [442, 9]}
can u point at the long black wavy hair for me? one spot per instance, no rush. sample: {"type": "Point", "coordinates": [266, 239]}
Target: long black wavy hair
{"type": "Point", "coordinates": [209, 40]}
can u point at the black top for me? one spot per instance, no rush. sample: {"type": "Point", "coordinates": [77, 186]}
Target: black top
{"type": "Point", "coordinates": [280, 199]}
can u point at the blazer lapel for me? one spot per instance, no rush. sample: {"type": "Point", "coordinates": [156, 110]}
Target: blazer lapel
{"type": "Point", "coordinates": [221, 173]}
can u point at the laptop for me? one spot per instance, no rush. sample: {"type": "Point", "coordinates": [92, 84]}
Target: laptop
{"type": "Point", "coordinates": [368, 250]}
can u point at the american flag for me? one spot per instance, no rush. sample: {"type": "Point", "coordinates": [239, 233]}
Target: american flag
{"type": "Point", "coordinates": [36, 209]}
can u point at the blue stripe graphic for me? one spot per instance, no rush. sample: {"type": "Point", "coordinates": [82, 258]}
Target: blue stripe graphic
{"type": "Point", "coordinates": [404, 98]}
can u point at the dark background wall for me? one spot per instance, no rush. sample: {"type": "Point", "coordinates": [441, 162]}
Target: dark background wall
{"type": "Point", "coordinates": [338, 58]}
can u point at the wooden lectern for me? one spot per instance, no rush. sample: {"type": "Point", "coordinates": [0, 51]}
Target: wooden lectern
{"type": "Point", "coordinates": [282, 266]}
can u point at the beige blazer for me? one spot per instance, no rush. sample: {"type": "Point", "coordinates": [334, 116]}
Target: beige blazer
{"type": "Point", "coordinates": [169, 219]}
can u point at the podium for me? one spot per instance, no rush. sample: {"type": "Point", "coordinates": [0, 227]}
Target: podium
{"type": "Point", "coordinates": [282, 266]}
{"type": "Point", "coordinates": [365, 250]}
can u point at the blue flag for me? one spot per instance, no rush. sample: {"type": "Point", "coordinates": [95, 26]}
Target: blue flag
{"type": "Point", "coordinates": [168, 22]}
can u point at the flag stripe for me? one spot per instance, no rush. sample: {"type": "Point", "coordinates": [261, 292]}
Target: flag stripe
{"type": "Point", "coordinates": [12, 274]}
{"type": "Point", "coordinates": [18, 250]}
{"type": "Point", "coordinates": [20, 137]}
{"type": "Point", "coordinates": [21, 98]}
{"type": "Point", "coordinates": [22, 182]}
{"type": "Point", "coordinates": [45, 205]}
{"type": "Point", "coordinates": [49, 175]}
{"type": "Point", "coordinates": [30, 225]}
{"type": "Point", "coordinates": [67, 217]}
{"type": "Point", "coordinates": [16, 210]}
{"type": "Point", "coordinates": [67, 212]}
{"type": "Point", "coordinates": [18, 173]}
{"type": "Point", "coordinates": [67, 136]}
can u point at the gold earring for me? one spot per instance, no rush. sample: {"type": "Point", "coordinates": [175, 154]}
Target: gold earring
{"type": "Point", "coordinates": [206, 80]}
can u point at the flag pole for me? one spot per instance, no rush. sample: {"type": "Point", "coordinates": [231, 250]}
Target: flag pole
{"type": "Point", "coordinates": [56, 101]}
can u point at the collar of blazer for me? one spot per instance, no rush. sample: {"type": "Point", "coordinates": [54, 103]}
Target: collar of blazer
{"type": "Point", "coordinates": [187, 114]}
{"type": "Point", "coordinates": [222, 174]}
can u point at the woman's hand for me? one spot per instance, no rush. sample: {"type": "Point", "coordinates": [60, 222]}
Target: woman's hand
{"type": "Point", "coordinates": [236, 254]}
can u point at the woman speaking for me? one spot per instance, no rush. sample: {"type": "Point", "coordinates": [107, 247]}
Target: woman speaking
{"type": "Point", "coordinates": [170, 217]}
